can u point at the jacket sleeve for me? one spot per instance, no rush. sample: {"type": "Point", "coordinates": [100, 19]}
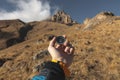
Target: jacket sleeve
{"type": "Point", "coordinates": [50, 71]}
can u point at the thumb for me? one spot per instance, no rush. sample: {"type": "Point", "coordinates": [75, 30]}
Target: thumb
{"type": "Point", "coordinates": [52, 42]}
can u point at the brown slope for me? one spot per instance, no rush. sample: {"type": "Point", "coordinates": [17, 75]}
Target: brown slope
{"type": "Point", "coordinates": [15, 31]}
{"type": "Point", "coordinates": [46, 27]}
{"type": "Point", "coordinates": [12, 32]}
{"type": "Point", "coordinates": [21, 56]}
{"type": "Point", "coordinates": [97, 55]}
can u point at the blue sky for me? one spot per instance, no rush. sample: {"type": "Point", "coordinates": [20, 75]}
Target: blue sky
{"type": "Point", "coordinates": [78, 9]}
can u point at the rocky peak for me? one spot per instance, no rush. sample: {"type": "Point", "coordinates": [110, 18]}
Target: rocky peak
{"type": "Point", "coordinates": [104, 15]}
{"type": "Point", "coordinates": [107, 13]}
{"type": "Point", "coordinates": [99, 18]}
{"type": "Point", "coordinates": [62, 17]}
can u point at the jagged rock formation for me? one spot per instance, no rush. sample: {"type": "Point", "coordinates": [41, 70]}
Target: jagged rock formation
{"type": "Point", "coordinates": [62, 17]}
{"type": "Point", "coordinates": [102, 16]}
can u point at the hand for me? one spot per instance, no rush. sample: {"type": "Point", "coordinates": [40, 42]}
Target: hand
{"type": "Point", "coordinates": [61, 52]}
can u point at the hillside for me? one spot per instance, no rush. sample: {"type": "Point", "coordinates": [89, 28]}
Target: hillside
{"type": "Point", "coordinates": [96, 41]}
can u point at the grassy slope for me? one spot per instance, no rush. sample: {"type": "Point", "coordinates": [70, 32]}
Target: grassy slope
{"type": "Point", "coordinates": [97, 55]}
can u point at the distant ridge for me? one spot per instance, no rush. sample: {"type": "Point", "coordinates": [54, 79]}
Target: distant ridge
{"type": "Point", "coordinates": [107, 17]}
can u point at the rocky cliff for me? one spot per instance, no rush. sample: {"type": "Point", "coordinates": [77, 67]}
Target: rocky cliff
{"type": "Point", "coordinates": [107, 17]}
{"type": "Point", "coordinates": [62, 17]}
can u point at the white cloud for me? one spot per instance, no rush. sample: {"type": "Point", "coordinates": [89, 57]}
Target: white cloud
{"type": "Point", "coordinates": [27, 10]}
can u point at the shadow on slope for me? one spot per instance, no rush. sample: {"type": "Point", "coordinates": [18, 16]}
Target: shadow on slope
{"type": "Point", "coordinates": [22, 34]}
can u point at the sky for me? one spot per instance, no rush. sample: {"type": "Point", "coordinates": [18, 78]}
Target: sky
{"type": "Point", "coordinates": [37, 10]}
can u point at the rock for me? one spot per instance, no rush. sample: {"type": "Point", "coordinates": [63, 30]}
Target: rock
{"type": "Point", "coordinates": [62, 17]}
{"type": "Point", "coordinates": [37, 68]}
{"type": "Point", "coordinates": [48, 37]}
{"type": "Point", "coordinates": [41, 55]}
{"type": "Point", "coordinates": [104, 15]}
{"type": "Point", "coordinates": [3, 60]}
{"type": "Point", "coordinates": [39, 41]}
{"type": "Point", "coordinates": [87, 43]}
{"type": "Point", "coordinates": [27, 46]}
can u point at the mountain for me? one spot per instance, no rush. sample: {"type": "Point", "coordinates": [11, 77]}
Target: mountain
{"type": "Point", "coordinates": [106, 17]}
{"type": "Point", "coordinates": [96, 41]}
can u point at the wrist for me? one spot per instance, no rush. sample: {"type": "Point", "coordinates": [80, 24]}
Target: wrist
{"type": "Point", "coordinates": [63, 66]}
{"type": "Point", "coordinates": [61, 60]}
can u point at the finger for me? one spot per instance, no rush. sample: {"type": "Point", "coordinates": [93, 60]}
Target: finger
{"type": "Point", "coordinates": [64, 36]}
{"type": "Point", "coordinates": [66, 43]}
{"type": "Point", "coordinates": [52, 42]}
{"type": "Point", "coordinates": [72, 50]}
{"type": "Point", "coordinates": [67, 49]}
{"type": "Point", "coordinates": [58, 46]}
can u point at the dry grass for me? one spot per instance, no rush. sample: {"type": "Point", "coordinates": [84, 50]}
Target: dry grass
{"type": "Point", "coordinates": [97, 54]}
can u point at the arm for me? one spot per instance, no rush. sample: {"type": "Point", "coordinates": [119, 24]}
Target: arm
{"type": "Point", "coordinates": [57, 68]}
{"type": "Point", "coordinates": [50, 71]}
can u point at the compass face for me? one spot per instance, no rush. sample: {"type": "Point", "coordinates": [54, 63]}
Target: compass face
{"type": "Point", "coordinates": [60, 39]}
